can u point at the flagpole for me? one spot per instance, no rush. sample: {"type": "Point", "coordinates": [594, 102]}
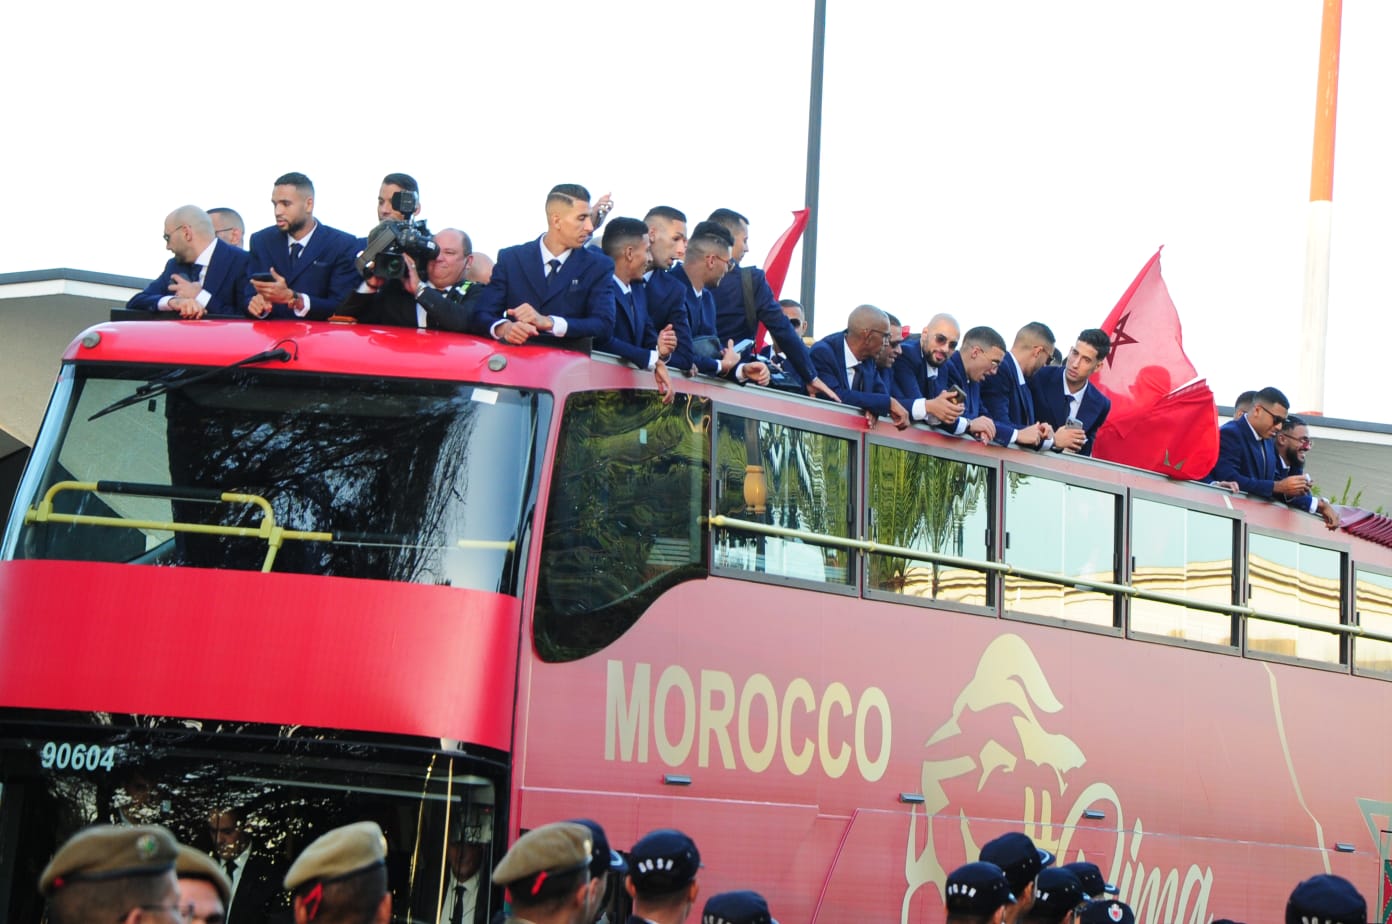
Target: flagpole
{"type": "Point", "coordinates": [814, 159]}
{"type": "Point", "coordinates": [1314, 325]}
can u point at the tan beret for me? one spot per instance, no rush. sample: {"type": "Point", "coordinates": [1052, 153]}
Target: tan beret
{"type": "Point", "coordinates": [195, 864]}
{"type": "Point", "coordinates": [556, 849]}
{"type": "Point", "coordinates": [110, 852]}
{"type": "Point", "coordinates": [341, 853]}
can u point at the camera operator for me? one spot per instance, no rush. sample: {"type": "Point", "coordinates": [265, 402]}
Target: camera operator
{"type": "Point", "coordinates": [444, 301]}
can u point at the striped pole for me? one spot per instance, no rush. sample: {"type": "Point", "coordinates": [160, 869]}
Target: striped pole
{"type": "Point", "coordinates": [1314, 325]}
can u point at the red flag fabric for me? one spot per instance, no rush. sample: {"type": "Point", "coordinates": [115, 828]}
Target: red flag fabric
{"type": "Point", "coordinates": [780, 256]}
{"type": "Point", "coordinates": [1161, 418]}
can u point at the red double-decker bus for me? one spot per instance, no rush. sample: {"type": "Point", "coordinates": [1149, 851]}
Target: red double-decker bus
{"type": "Point", "coordinates": [303, 574]}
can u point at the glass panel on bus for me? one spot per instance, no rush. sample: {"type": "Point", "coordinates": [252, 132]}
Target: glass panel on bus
{"type": "Point", "coordinates": [1062, 529]}
{"type": "Point", "coordinates": [1373, 600]}
{"type": "Point", "coordinates": [256, 809]}
{"type": "Point", "coordinates": [930, 504]}
{"type": "Point", "coordinates": [1181, 553]}
{"type": "Point", "coordinates": [394, 480]}
{"type": "Point", "coordinates": [623, 523]}
{"type": "Point", "coordinates": [1288, 578]}
{"type": "Point", "coordinates": [776, 475]}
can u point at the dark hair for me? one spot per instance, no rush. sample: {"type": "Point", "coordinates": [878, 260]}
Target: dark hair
{"type": "Point", "coordinates": [729, 218]}
{"type": "Point", "coordinates": [231, 214]}
{"type": "Point", "coordinates": [297, 180]}
{"type": "Point", "coordinates": [893, 321]}
{"type": "Point", "coordinates": [710, 229]}
{"type": "Point", "coordinates": [665, 212]}
{"type": "Point", "coordinates": [1292, 421]}
{"type": "Point", "coordinates": [1272, 395]}
{"type": "Point", "coordinates": [1247, 397]}
{"type": "Point", "coordinates": [789, 303]}
{"type": "Point", "coordinates": [569, 193]}
{"type": "Point", "coordinates": [404, 180]}
{"type": "Point", "coordinates": [1037, 330]}
{"type": "Point", "coordinates": [79, 902]}
{"type": "Point", "coordinates": [551, 893]}
{"type": "Point", "coordinates": [984, 337]}
{"type": "Point", "coordinates": [1098, 340]}
{"type": "Point", "coordinates": [351, 900]}
{"type": "Point", "coordinates": [620, 232]}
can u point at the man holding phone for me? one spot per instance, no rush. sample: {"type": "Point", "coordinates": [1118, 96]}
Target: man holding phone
{"type": "Point", "coordinates": [301, 268]}
{"type": "Point", "coordinates": [917, 384]}
{"type": "Point", "coordinates": [1063, 399]}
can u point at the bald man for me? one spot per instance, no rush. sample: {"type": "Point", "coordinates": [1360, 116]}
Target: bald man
{"type": "Point", "coordinates": [204, 277]}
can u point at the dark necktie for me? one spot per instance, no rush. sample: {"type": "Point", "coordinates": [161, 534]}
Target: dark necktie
{"type": "Point", "coordinates": [1073, 402]}
{"type": "Point", "coordinates": [231, 870]}
{"type": "Point", "coordinates": [457, 915]}
{"type": "Point", "coordinates": [196, 272]}
{"type": "Point", "coordinates": [858, 380]}
{"type": "Point", "coordinates": [554, 275]}
{"type": "Point", "coordinates": [295, 250]}
{"type": "Point", "coordinates": [1028, 401]}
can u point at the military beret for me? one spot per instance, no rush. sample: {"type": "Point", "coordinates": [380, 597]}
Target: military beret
{"type": "Point", "coordinates": [1017, 857]}
{"type": "Point", "coordinates": [195, 864]}
{"type": "Point", "coordinates": [1090, 875]}
{"type": "Point", "coordinates": [603, 859]}
{"type": "Point", "coordinates": [340, 853]}
{"type": "Point", "coordinates": [1056, 892]}
{"type": "Point", "coordinates": [977, 889]}
{"type": "Point", "coordinates": [737, 908]}
{"type": "Point", "coordinates": [104, 852]}
{"type": "Point", "coordinates": [557, 849]}
{"type": "Point", "coordinates": [663, 861]}
{"type": "Point", "coordinates": [1326, 899]}
{"type": "Point", "coordinates": [1107, 911]}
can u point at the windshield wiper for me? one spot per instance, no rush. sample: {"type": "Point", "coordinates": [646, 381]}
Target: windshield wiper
{"type": "Point", "coordinates": [174, 379]}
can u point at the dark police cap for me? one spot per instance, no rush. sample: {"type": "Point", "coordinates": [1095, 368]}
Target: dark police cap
{"type": "Point", "coordinates": [603, 859]}
{"type": "Point", "coordinates": [663, 861]}
{"type": "Point", "coordinates": [1090, 875]}
{"type": "Point", "coordinates": [104, 852]}
{"type": "Point", "coordinates": [1326, 899]}
{"type": "Point", "coordinates": [342, 852]}
{"type": "Point", "coordinates": [1056, 892]}
{"type": "Point", "coordinates": [977, 889]}
{"type": "Point", "coordinates": [1017, 856]}
{"type": "Point", "coordinates": [557, 849]}
{"type": "Point", "coordinates": [743, 907]}
{"type": "Point", "coordinates": [195, 864]}
{"type": "Point", "coordinates": [1107, 911]}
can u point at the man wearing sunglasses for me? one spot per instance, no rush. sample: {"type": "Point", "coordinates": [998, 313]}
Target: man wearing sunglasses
{"type": "Point", "coordinates": [917, 383]}
{"type": "Point", "coordinates": [1292, 442]}
{"type": "Point", "coordinates": [1246, 454]}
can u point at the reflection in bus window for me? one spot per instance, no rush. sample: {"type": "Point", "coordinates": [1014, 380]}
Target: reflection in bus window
{"type": "Point", "coordinates": [782, 476]}
{"type": "Point", "coordinates": [1291, 579]}
{"type": "Point", "coordinates": [1062, 529]}
{"type": "Point", "coordinates": [931, 504]}
{"type": "Point", "coordinates": [1182, 553]}
{"type": "Point", "coordinates": [624, 522]}
{"type": "Point", "coordinates": [1373, 595]}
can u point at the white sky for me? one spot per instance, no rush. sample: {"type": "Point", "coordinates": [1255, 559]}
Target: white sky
{"type": "Point", "coordinates": [1007, 161]}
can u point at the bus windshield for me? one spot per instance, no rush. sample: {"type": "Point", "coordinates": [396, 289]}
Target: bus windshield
{"type": "Point", "coordinates": [262, 469]}
{"type": "Point", "coordinates": [256, 804]}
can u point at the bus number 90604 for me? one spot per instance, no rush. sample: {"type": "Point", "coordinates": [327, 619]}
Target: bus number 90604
{"type": "Point", "coordinates": [62, 755]}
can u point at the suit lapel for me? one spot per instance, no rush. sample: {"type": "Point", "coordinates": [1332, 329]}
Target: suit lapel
{"type": "Point", "coordinates": [315, 246]}
{"type": "Point", "coordinates": [216, 272]}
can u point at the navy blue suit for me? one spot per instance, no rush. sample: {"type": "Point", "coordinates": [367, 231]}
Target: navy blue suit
{"type": "Point", "coordinates": [1051, 405]}
{"type": "Point", "coordinates": [634, 337]}
{"type": "Point", "coordinates": [1007, 402]}
{"type": "Point", "coordinates": [700, 318]}
{"type": "Point", "coordinates": [956, 374]}
{"type": "Point", "coordinates": [1245, 459]}
{"type": "Point", "coordinates": [829, 361]}
{"type": "Point", "coordinates": [223, 279]}
{"type": "Point", "coordinates": [325, 270]}
{"type": "Point", "coordinates": [911, 379]}
{"type": "Point", "coordinates": [583, 293]}
{"type": "Point", "coordinates": [732, 321]}
{"type": "Point", "coordinates": [667, 305]}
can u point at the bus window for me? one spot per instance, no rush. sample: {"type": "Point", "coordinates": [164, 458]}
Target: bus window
{"type": "Point", "coordinates": [623, 522]}
{"type": "Point", "coordinates": [396, 480]}
{"type": "Point", "coordinates": [1373, 599]}
{"type": "Point", "coordinates": [928, 503]}
{"type": "Point", "coordinates": [1063, 529]}
{"type": "Point", "coordinates": [1182, 553]}
{"type": "Point", "coordinates": [778, 475]}
{"type": "Point", "coordinates": [1292, 579]}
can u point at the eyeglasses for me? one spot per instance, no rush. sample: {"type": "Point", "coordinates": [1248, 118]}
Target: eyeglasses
{"type": "Point", "coordinates": [797, 325]}
{"type": "Point", "coordinates": [1277, 420]}
{"type": "Point", "coordinates": [1303, 442]}
{"type": "Point", "coordinates": [725, 260]}
{"type": "Point", "coordinates": [881, 334]}
{"type": "Point", "coordinates": [941, 340]}
{"type": "Point", "coordinates": [174, 232]}
{"type": "Point", "coordinates": [180, 912]}
{"type": "Point", "coordinates": [224, 231]}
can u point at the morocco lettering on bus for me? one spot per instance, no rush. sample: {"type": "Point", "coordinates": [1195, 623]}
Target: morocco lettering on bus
{"type": "Point", "coordinates": [750, 725]}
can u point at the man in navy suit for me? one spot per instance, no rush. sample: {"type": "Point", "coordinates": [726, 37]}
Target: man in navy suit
{"type": "Point", "coordinates": [1292, 443]}
{"type": "Point", "coordinates": [707, 261]}
{"type": "Point", "coordinates": [553, 290]}
{"type": "Point", "coordinates": [1063, 399]}
{"type": "Point", "coordinates": [917, 382]}
{"type": "Point", "coordinates": [979, 357]}
{"type": "Point", "coordinates": [205, 275]}
{"type": "Point", "coordinates": [733, 321]}
{"type": "Point", "coordinates": [628, 244]}
{"type": "Point", "coordinates": [1006, 394]}
{"type": "Point", "coordinates": [1246, 456]}
{"type": "Point", "coordinates": [846, 362]}
{"type": "Point", "coordinates": [311, 265]}
{"type": "Point", "coordinates": [665, 295]}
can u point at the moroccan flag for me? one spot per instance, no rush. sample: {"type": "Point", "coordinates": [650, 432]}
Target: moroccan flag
{"type": "Point", "coordinates": [781, 255]}
{"type": "Point", "coordinates": [1161, 418]}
